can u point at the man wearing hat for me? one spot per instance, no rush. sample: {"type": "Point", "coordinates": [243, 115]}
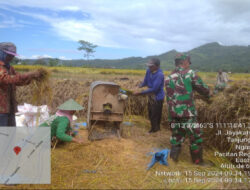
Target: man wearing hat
{"type": "Point", "coordinates": [154, 80]}
{"type": "Point", "coordinates": [60, 123]}
{"type": "Point", "coordinates": [9, 79]}
{"type": "Point", "coordinates": [182, 114]}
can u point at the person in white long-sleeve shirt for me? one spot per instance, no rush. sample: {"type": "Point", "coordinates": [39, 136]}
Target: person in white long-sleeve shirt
{"type": "Point", "coordinates": [221, 82]}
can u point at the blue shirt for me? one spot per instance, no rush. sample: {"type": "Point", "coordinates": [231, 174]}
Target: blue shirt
{"type": "Point", "coordinates": [155, 84]}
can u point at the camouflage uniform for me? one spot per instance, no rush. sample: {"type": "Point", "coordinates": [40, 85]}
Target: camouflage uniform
{"type": "Point", "coordinates": [182, 114]}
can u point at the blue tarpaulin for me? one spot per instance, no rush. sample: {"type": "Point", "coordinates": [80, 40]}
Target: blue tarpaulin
{"type": "Point", "coordinates": [83, 124]}
{"type": "Point", "coordinates": [160, 157]}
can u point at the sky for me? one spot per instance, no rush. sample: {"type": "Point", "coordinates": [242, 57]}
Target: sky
{"type": "Point", "coordinates": [121, 28]}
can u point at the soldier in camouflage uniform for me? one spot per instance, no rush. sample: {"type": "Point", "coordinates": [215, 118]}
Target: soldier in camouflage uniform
{"type": "Point", "coordinates": [182, 115]}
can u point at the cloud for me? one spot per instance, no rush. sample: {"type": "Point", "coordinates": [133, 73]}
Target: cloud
{"type": "Point", "coordinates": [40, 56]}
{"type": "Point", "coordinates": [150, 26]}
{"type": "Point", "coordinates": [70, 8]}
{"type": "Point", "coordinates": [78, 30]}
{"type": "Point", "coordinates": [9, 22]}
{"type": "Point", "coordinates": [75, 30]}
{"type": "Point", "coordinates": [44, 56]}
{"type": "Point", "coordinates": [51, 50]}
{"type": "Point", "coordinates": [232, 10]}
{"type": "Point", "coordinates": [22, 57]}
{"type": "Point", "coordinates": [63, 58]}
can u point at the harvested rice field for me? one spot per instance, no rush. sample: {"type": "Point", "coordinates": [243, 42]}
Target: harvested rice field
{"type": "Point", "coordinates": [122, 163]}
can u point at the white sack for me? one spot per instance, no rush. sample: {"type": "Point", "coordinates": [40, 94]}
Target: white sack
{"type": "Point", "coordinates": [31, 116]}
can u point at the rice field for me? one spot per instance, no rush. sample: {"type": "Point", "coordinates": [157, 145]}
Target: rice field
{"type": "Point", "coordinates": [114, 164]}
{"type": "Point", "coordinates": [72, 72]}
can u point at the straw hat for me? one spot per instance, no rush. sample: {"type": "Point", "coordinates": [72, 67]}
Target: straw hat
{"type": "Point", "coordinates": [70, 105]}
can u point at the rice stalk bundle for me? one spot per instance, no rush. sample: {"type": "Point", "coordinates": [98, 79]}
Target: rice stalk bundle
{"type": "Point", "coordinates": [41, 89]}
{"type": "Point", "coordinates": [228, 108]}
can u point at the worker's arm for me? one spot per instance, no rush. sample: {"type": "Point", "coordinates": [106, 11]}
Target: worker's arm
{"type": "Point", "coordinates": [61, 131]}
{"type": "Point", "coordinates": [200, 86]}
{"type": "Point", "coordinates": [6, 78]}
{"type": "Point", "coordinates": [23, 81]}
{"type": "Point", "coordinates": [156, 85]}
{"type": "Point", "coordinates": [144, 83]}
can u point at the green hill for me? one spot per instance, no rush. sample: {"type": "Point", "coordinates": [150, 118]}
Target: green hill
{"type": "Point", "coordinates": [209, 57]}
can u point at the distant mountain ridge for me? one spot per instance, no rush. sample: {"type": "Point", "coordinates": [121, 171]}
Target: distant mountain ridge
{"type": "Point", "coordinates": [208, 57]}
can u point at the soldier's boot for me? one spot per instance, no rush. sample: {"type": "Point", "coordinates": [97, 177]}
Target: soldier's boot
{"type": "Point", "coordinates": [175, 151]}
{"type": "Point", "coordinates": [197, 157]}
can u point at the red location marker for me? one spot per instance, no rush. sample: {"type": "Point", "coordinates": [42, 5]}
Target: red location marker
{"type": "Point", "coordinates": [17, 149]}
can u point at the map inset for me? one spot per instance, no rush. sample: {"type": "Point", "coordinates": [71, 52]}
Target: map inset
{"type": "Point", "coordinates": [25, 155]}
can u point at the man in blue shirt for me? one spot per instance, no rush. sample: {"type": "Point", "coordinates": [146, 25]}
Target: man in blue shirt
{"type": "Point", "coordinates": [154, 80]}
